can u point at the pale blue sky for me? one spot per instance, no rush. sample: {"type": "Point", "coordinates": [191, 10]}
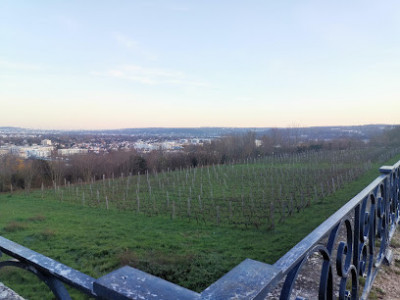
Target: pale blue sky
{"type": "Point", "coordinates": [118, 64]}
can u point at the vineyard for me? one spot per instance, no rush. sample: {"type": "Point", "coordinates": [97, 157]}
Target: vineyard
{"type": "Point", "coordinates": [255, 193]}
{"type": "Point", "coordinates": [187, 226]}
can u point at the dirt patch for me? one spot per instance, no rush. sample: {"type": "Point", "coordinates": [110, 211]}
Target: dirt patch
{"type": "Point", "coordinates": [386, 285]}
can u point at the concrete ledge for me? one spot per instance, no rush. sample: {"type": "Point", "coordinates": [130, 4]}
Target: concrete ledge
{"type": "Point", "coordinates": [130, 283]}
{"type": "Point", "coordinates": [8, 294]}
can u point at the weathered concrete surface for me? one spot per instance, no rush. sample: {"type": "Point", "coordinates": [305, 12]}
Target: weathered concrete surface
{"type": "Point", "coordinates": [8, 294]}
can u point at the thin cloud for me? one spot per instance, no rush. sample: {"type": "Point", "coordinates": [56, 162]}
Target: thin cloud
{"type": "Point", "coordinates": [133, 45]}
{"type": "Point", "coordinates": [150, 76]}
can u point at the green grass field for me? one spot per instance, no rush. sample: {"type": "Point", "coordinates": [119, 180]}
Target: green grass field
{"type": "Point", "coordinates": [96, 240]}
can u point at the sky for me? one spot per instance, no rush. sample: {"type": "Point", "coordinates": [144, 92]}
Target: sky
{"type": "Point", "coordinates": [171, 63]}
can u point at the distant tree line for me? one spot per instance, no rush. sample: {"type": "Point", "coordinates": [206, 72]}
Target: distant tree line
{"type": "Point", "coordinates": [18, 173]}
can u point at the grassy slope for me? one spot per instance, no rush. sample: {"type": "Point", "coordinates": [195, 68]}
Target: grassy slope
{"type": "Point", "coordinates": [96, 241]}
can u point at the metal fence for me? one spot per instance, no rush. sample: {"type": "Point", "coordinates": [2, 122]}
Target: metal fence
{"type": "Point", "coordinates": [339, 259]}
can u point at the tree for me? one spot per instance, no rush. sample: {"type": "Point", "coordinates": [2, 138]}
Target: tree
{"type": "Point", "coordinates": [8, 167]}
{"type": "Point", "coordinates": [56, 168]}
{"type": "Point", "coordinates": [84, 165]}
{"type": "Point", "coordinates": [137, 164]}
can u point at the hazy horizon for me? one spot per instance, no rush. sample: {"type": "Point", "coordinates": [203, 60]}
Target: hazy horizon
{"type": "Point", "coordinates": [198, 127]}
{"type": "Point", "coordinates": [186, 64]}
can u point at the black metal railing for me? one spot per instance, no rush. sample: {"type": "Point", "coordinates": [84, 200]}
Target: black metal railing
{"type": "Point", "coordinates": [339, 259]}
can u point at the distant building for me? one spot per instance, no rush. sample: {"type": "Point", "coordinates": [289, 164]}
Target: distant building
{"type": "Point", "coordinates": [38, 152]}
{"type": "Point", "coordinates": [46, 142]}
{"type": "Point", "coordinates": [34, 151]}
{"type": "Point", "coordinates": [72, 151]}
{"type": "Point", "coordinates": [144, 146]}
{"type": "Point", "coordinates": [4, 151]}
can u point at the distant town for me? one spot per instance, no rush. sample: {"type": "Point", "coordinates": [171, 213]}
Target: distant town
{"type": "Point", "coordinates": [48, 148]}
{"type": "Point", "coordinates": [43, 144]}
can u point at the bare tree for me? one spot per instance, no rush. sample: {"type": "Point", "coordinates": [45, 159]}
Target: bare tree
{"type": "Point", "coordinates": [56, 168]}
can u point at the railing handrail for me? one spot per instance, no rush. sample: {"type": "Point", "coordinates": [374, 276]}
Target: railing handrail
{"type": "Point", "coordinates": [299, 251]}
{"type": "Point", "coordinates": [47, 266]}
